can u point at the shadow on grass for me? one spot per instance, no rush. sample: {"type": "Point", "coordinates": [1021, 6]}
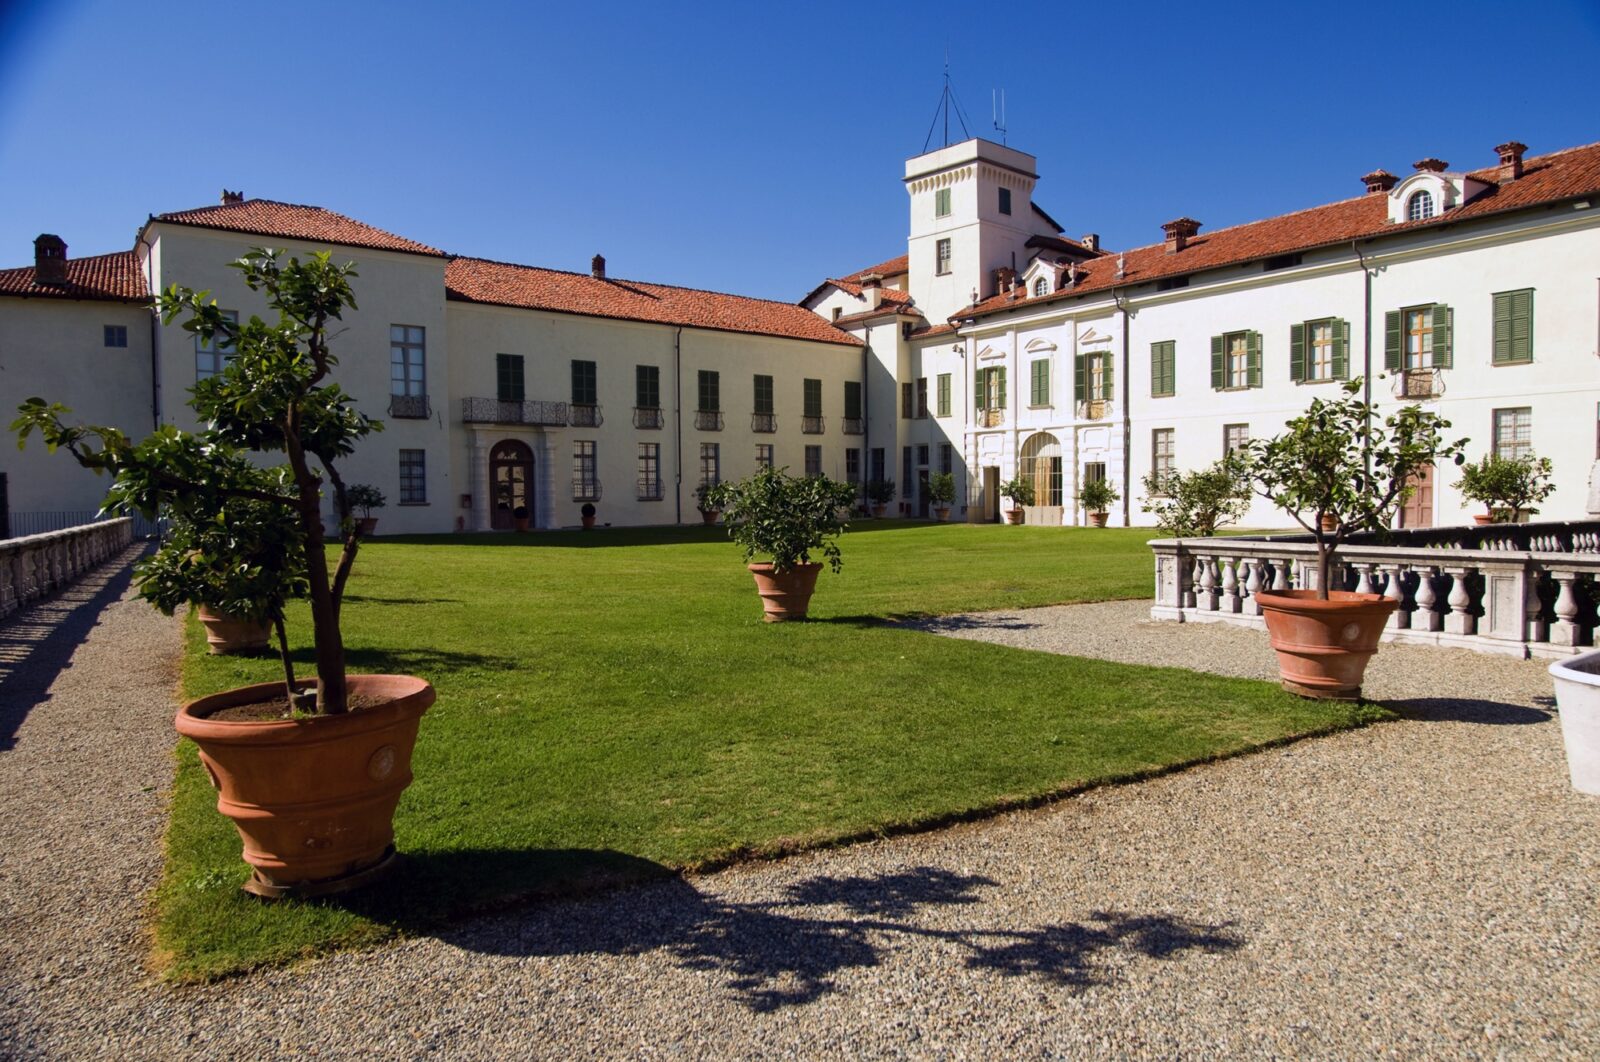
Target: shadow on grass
{"type": "Point", "coordinates": [414, 660]}
{"type": "Point", "coordinates": [362, 599]}
{"type": "Point", "coordinates": [606, 537]}
{"type": "Point", "coordinates": [1458, 710]}
{"type": "Point", "coordinates": [790, 951]}
{"type": "Point", "coordinates": [930, 623]}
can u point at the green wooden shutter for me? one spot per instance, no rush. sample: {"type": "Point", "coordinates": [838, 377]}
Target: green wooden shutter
{"type": "Point", "coordinates": [1341, 349]}
{"type": "Point", "coordinates": [1107, 390]}
{"type": "Point", "coordinates": [1391, 341]}
{"type": "Point", "coordinates": [1037, 385]}
{"type": "Point", "coordinates": [1441, 336]}
{"type": "Point", "coordinates": [1502, 327]}
{"type": "Point", "coordinates": [1160, 369]}
{"type": "Point", "coordinates": [1297, 352]}
{"type": "Point", "coordinates": [1080, 379]}
{"type": "Point", "coordinates": [1169, 368]}
{"type": "Point", "coordinates": [1218, 379]}
{"type": "Point", "coordinates": [1252, 361]}
{"type": "Point", "coordinates": [1513, 327]}
{"type": "Point", "coordinates": [980, 387]}
{"type": "Point", "coordinates": [1001, 375]}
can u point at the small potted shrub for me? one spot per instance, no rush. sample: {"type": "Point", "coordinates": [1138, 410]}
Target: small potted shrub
{"type": "Point", "coordinates": [1020, 491]}
{"type": "Point", "coordinates": [309, 771]}
{"type": "Point", "coordinates": [1507, 486]}
{"type": "Point", "coordinates": [786, 518]}
{"type": "Point", "coordinates": [706, 503]}
{"type": "Point", "coordinates": [587, 513]}
{"type": "Point", "coordinates": [364, 498]}
{"type": "Point", "coordinates": [1338, 459]}
{"type": "Point", "coordinates": [880, 492]}
{"type": "Point", "coordinates": [1196, 504]}
{"type": "Point", "coordinates": [941, 492]}
{"type": "Point", "coordinates": [519, 518]}
{"type": "Point", "coordinates": [1097, 497]}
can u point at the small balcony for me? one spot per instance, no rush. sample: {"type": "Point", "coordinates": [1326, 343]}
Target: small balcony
{"type": "Point", "coordinates": [651, 489]}
{"type": "Point", "coordinates": [410, 407]}
{"type": "Point", "coordinates": [707, 420]}
{"type": "Point", "coordinates": [991, 418]}
{"type": "Point", "coordinates": [1093, 409]}
{"type": "Point", "coordinates": [1419, 384]}
{"type": "Point", "coordinates": [853, 425]}
{"type": "Point", "coordinates": [494, 411]}
{"type": "Point", "coordinates": [764, 423]}
{"type": "Point", "coordinates": [647, 417]}
{"type": "Point", "coordinates": [811, 425]}
{"type": "Point", "coordinates": [585, 416]}
{"type": "Point", "coordinates": [585, 489]}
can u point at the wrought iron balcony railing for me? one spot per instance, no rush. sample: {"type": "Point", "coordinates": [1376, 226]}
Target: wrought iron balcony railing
{"type": "Point", "coordinates": [991, 418]}
{"type": "Point", "coordinates": [811, 425]}
{"type": "Point", "coordinates": [1419, 383]}
{"type": "Point", "coordinates": [852, 425]}
{"type": "Point", "coordinates": [1092, 409]}
{"type": "Point", "coordinates": [409, 407]}
{"type": "Point", "coordinates": [585, 416]}
{"type": "Point", "coordinates": [707, 420]}
{"type": "Point", "coordinates": [650, 489]}
{"type": "Point", "coordinates": [764, 423]}
{"type": "Point", "coordinates": [585, 488]}
{"type": "Point", "coordinates": [494, 411]}
{"type": "Point", "coordinates": [647, 416]}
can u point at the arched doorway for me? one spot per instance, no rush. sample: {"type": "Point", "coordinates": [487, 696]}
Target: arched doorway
{"type": "Point", "coordinates": [510, 482]}
{"type": "Point", "coordinates": [1041, 465]}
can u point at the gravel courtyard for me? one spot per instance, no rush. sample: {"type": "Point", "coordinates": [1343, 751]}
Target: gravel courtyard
{"type": "Point", "coordinates": [1424, 887]}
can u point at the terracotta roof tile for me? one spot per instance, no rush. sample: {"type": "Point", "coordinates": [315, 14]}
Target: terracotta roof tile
{"type": "Point", "coordinates": [892, 268]}
{"type": "Point", "coordinates": [1561, 175]}
{"type": "Point", "coordinates": [850, 287]}
{"type": "Point", "coordinates": [266, 217]}
{"type": "Point", "coordinates": [105, 276]}
{"type": "Point", "coordinates": [529, 287]}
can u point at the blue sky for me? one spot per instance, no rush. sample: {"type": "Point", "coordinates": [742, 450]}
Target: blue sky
{"type": "Point", "coordinates": [752, 148]}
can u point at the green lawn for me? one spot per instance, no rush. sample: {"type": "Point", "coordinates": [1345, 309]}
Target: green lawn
{"type": "Point", "coordinates": [611, 707]}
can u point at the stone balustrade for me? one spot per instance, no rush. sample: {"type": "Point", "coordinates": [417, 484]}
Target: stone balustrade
{"type": "Point", "coordinates": [1529, 590]}
{"type": "Point", "coordinates": [36, 565]}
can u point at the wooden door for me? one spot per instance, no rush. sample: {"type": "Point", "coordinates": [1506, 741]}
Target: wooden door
{"type": "Point", "coordinates": [1418, 509]}
{"type": "Point", "coordinates": [510, 483]}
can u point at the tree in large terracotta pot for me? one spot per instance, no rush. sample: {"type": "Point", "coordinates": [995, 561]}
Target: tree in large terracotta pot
{"type": "Point", "coordinates": [1338, 468]}
{"type": "Point", "coordinates": [941, 492]}
{"type": "Point", "coordinates": [1097, 496]}
{"type": "Point", "coordinates": [310, 772]}
{"type": "Point", "coordinates": [1020, 491]}
{"type": "Point", "coordinates": [1507, 486]}
{"type": "Point", "coordinates": [787, 518]}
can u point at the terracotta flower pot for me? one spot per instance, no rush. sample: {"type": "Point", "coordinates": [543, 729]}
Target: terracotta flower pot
{"type": "Point", "coordinates": [367, 525]}
{"type": "Point", "coordinates": [879, 510]}
{"type": "Point", "coordinates": [1482, 518]}
{"type": "Point", "coordinates": [785, 595]}
{"type": "Point", "coordinates": [1014, 516]}
{"type": "Point", "coordinates": [1323, 646]}
{"type": "Point", "coordinates": [1330, 524]}
{"type": "Point", "coordinates": [314, 798]}
{"type": "Point", "coordinates": [588, 523]}
{"type": "Point", "coordinates": [1097, 519]}
{"type": "Point", "coordinates": [710, 515]}
{"type": "Point", "coordinates": [226, 633]}
{"type": "Point", "coordinates": [520, 523]}
{"type": "Point", "coordinates": [941, 512]}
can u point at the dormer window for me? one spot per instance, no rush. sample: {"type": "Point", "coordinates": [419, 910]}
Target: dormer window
{"type": "Point", "coordinates": [1041, 287]}
{"type": "Point", "coordinates": [1420, 206]}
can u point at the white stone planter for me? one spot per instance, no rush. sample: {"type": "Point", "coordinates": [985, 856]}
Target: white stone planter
{"type": "Point", "coordinates": [1577, 682]}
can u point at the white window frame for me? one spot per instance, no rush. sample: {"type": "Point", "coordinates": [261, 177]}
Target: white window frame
{"type": "Point", "coordinates": [942, 256]}
{"type": "Point", "coordinates": [210, 357]}
{"type": "Point", "coordinates": [1519, 421]}
{"type": "Point", "coordinates": [408, 361]}
{"type": "Point", "coordinates": [1420, 205]}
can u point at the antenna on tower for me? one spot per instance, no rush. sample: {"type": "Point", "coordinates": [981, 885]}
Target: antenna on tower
{"type": "Point", "coordinates": [997, 103]}
{"type": "Point", "coordinates": [947, 103]}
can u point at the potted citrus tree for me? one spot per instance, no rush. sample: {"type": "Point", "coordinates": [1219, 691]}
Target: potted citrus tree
{"type": "Point", "coordinates": [1338, 468]}
{"type": "Point", "coordinates": [786, 518]}
{"type": "Point", "coordinates": [1507, 486]}
{"type": "Point", "coordinates": [1196, 504]}
{"type": "Point", "coordinates": [1020, 491]}
{"type": "Point", "coordinates": [309, 770]}
{"type": "Point", "coordinates": [703, 501]}
{"type": "Point", "coordinates": [586, 514]}
{"type": "Point", "coordinates": [1097, 496]}
{"type": "Point", "coordinates": [941, 492]}
{"type": "Point", "coordinates": [880, 492]}
{"type": "Point", "coordinates": [364, 498]}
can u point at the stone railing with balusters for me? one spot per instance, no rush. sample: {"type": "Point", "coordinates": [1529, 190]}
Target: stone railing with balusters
{"type": "Point", "coordinates": [1493, 594]}
{"type": "Point", "coordinates": [36, 565]}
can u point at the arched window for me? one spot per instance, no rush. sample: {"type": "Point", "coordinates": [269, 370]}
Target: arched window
{"type": "Point", "coordinates": [1420, 206]}
{"type": "Point", "coordinates": [1041, 463]}
{"type": "Point", "coordinates": [1041, 287]}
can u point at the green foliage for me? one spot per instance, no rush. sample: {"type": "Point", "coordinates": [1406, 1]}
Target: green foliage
{"type": "Point", "coordinates": [243, 559]}
{"type": "Point", "coordinates": [364, 497]}
{"type": "Point", "coordinates": [785, 517]}
{"type": "Point", "coordinates": [1340, 459]}
{"type": "Point", "coordinates": [1098, 495]}
{"type": "Point", "coordinates": [942, 488]}
{"type": "Point", "coordinates": [1018, 490]}
{"type": "Point", "coordinates": [880, 491]}
{"type": "Point", "coordinates": [1188, 504]}
{"type": "Point", "coordinates": [1508, 486]}
{"type": "Point", "coordinates": [703, 498]}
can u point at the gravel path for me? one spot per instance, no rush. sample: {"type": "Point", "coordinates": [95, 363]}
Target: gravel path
{"type": "Point", "coordinates": [1427, 887]}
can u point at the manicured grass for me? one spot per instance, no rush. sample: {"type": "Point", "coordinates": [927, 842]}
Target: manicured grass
{"type": "Point", "coordinates": [611, 707]}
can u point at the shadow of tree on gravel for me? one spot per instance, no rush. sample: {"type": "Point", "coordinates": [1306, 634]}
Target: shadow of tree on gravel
{"type": "Point", "coordinates": [1459, 710]}
{"type": "Point", "coordinates": [791, 951]}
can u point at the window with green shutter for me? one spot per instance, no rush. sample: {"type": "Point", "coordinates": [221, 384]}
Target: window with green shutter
{"type": "Point", "coordinates": [583, 383]}
{"type": "Point", "coordinates": [763, 394]}
{"type": "Point", "coordinates": [1219, 377]}
{"type": "Point", "coordinates": [1040, 382]}
{"type": "Point", "coordinates": [944, 394]}
{"type": "Point", "coordinates": [647, 386]}
{"type": "Point", "coordinates": [1236, 360]}
{"type": "Point", "coordinates": [1080, 378]}
{"type": "Point", "coordinates": [811, 394]}
{"type": "Point", "coordinates": [990, 388]}
{"type": "Point", "coordinates": [1000, 389]}
{"type": "Point", "coordinates": [852, 399]}
{"type": "Point", "coordinates": [1513, 327]}
{"type": "Point", "coordinates": [710, 392]}
{"type": "Point", "coordinates": [1252, 359]}
{"type": "Point", "coordinates": [1319, 350]}
{"type": "Point", "coordinates": [1417, 337]}
{"type": "Point", "coordinates": [1163, 369]}
{"type": "Point", "coordinates": [980, 389]}
{"type": "Point", "coordinates": [508, 377]}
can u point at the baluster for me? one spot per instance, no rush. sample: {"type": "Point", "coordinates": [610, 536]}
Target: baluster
{"type": "Point", "coordinates": [8, 589]}
{"type": "Point", "coordinates": [1565, 631]}
{"type": "Point", "coordinates": [1230, 585]}
{"type": "Point", "coordinates": [1533, 607]}
{"type": "Point", "coordinates": [1196, 577]}
{"type": "Point", "coordinates": [1395, 591]}
{"type": "Point", "coordinates": [1186, 583]}
{"type": "Point", "coordinates": [1252, 586]}
{"type": "Point", "coordinates": [1280, 575]}
{"type": "Point", "coordinates": [1208, 585]}
{"type": "Point", "coordinates": [1460, 620]}
{"type": "Point", "coordinates": [1364, 584]}
{"type": "Point", "coordinates": [1427, 616]}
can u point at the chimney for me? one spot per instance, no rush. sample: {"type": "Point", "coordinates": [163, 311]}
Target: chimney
{"type": "Point", "coordinates": [872, 289]}
{"type": "Point", "coordinates": [1179, 233]}
{"type": "Point", "coordinates": [50, 260]}
{"type": "Point", "coordinates": [1431, 165]}
{"type": "Point", "coordinates": [232, 198]}
{"type": "Point", "coordinates": [1380, 181]}
{"type": "Point", "coordinates": [1004, 277]}
{"type": "Point", "coordinates": [1091, 240]}
{"type": "Point", "coordinates": [1510, 160]}
{"type": "Point", "coordinates": [597, 267]}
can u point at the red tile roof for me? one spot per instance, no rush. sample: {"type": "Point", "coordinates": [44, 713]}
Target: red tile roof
{"type": "Point", "coordinates": [1561, 175]}
{"type": "Point", "coordinates": [266, 217]}
{"type": "Point", "coordinates": [529, 287]}
{"type": "Point", "coordinates": [850, 287]}
{"type": "Point", "coordinates": [892, 268]}
{"type": "Point", "coordinates": [105, 276]}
